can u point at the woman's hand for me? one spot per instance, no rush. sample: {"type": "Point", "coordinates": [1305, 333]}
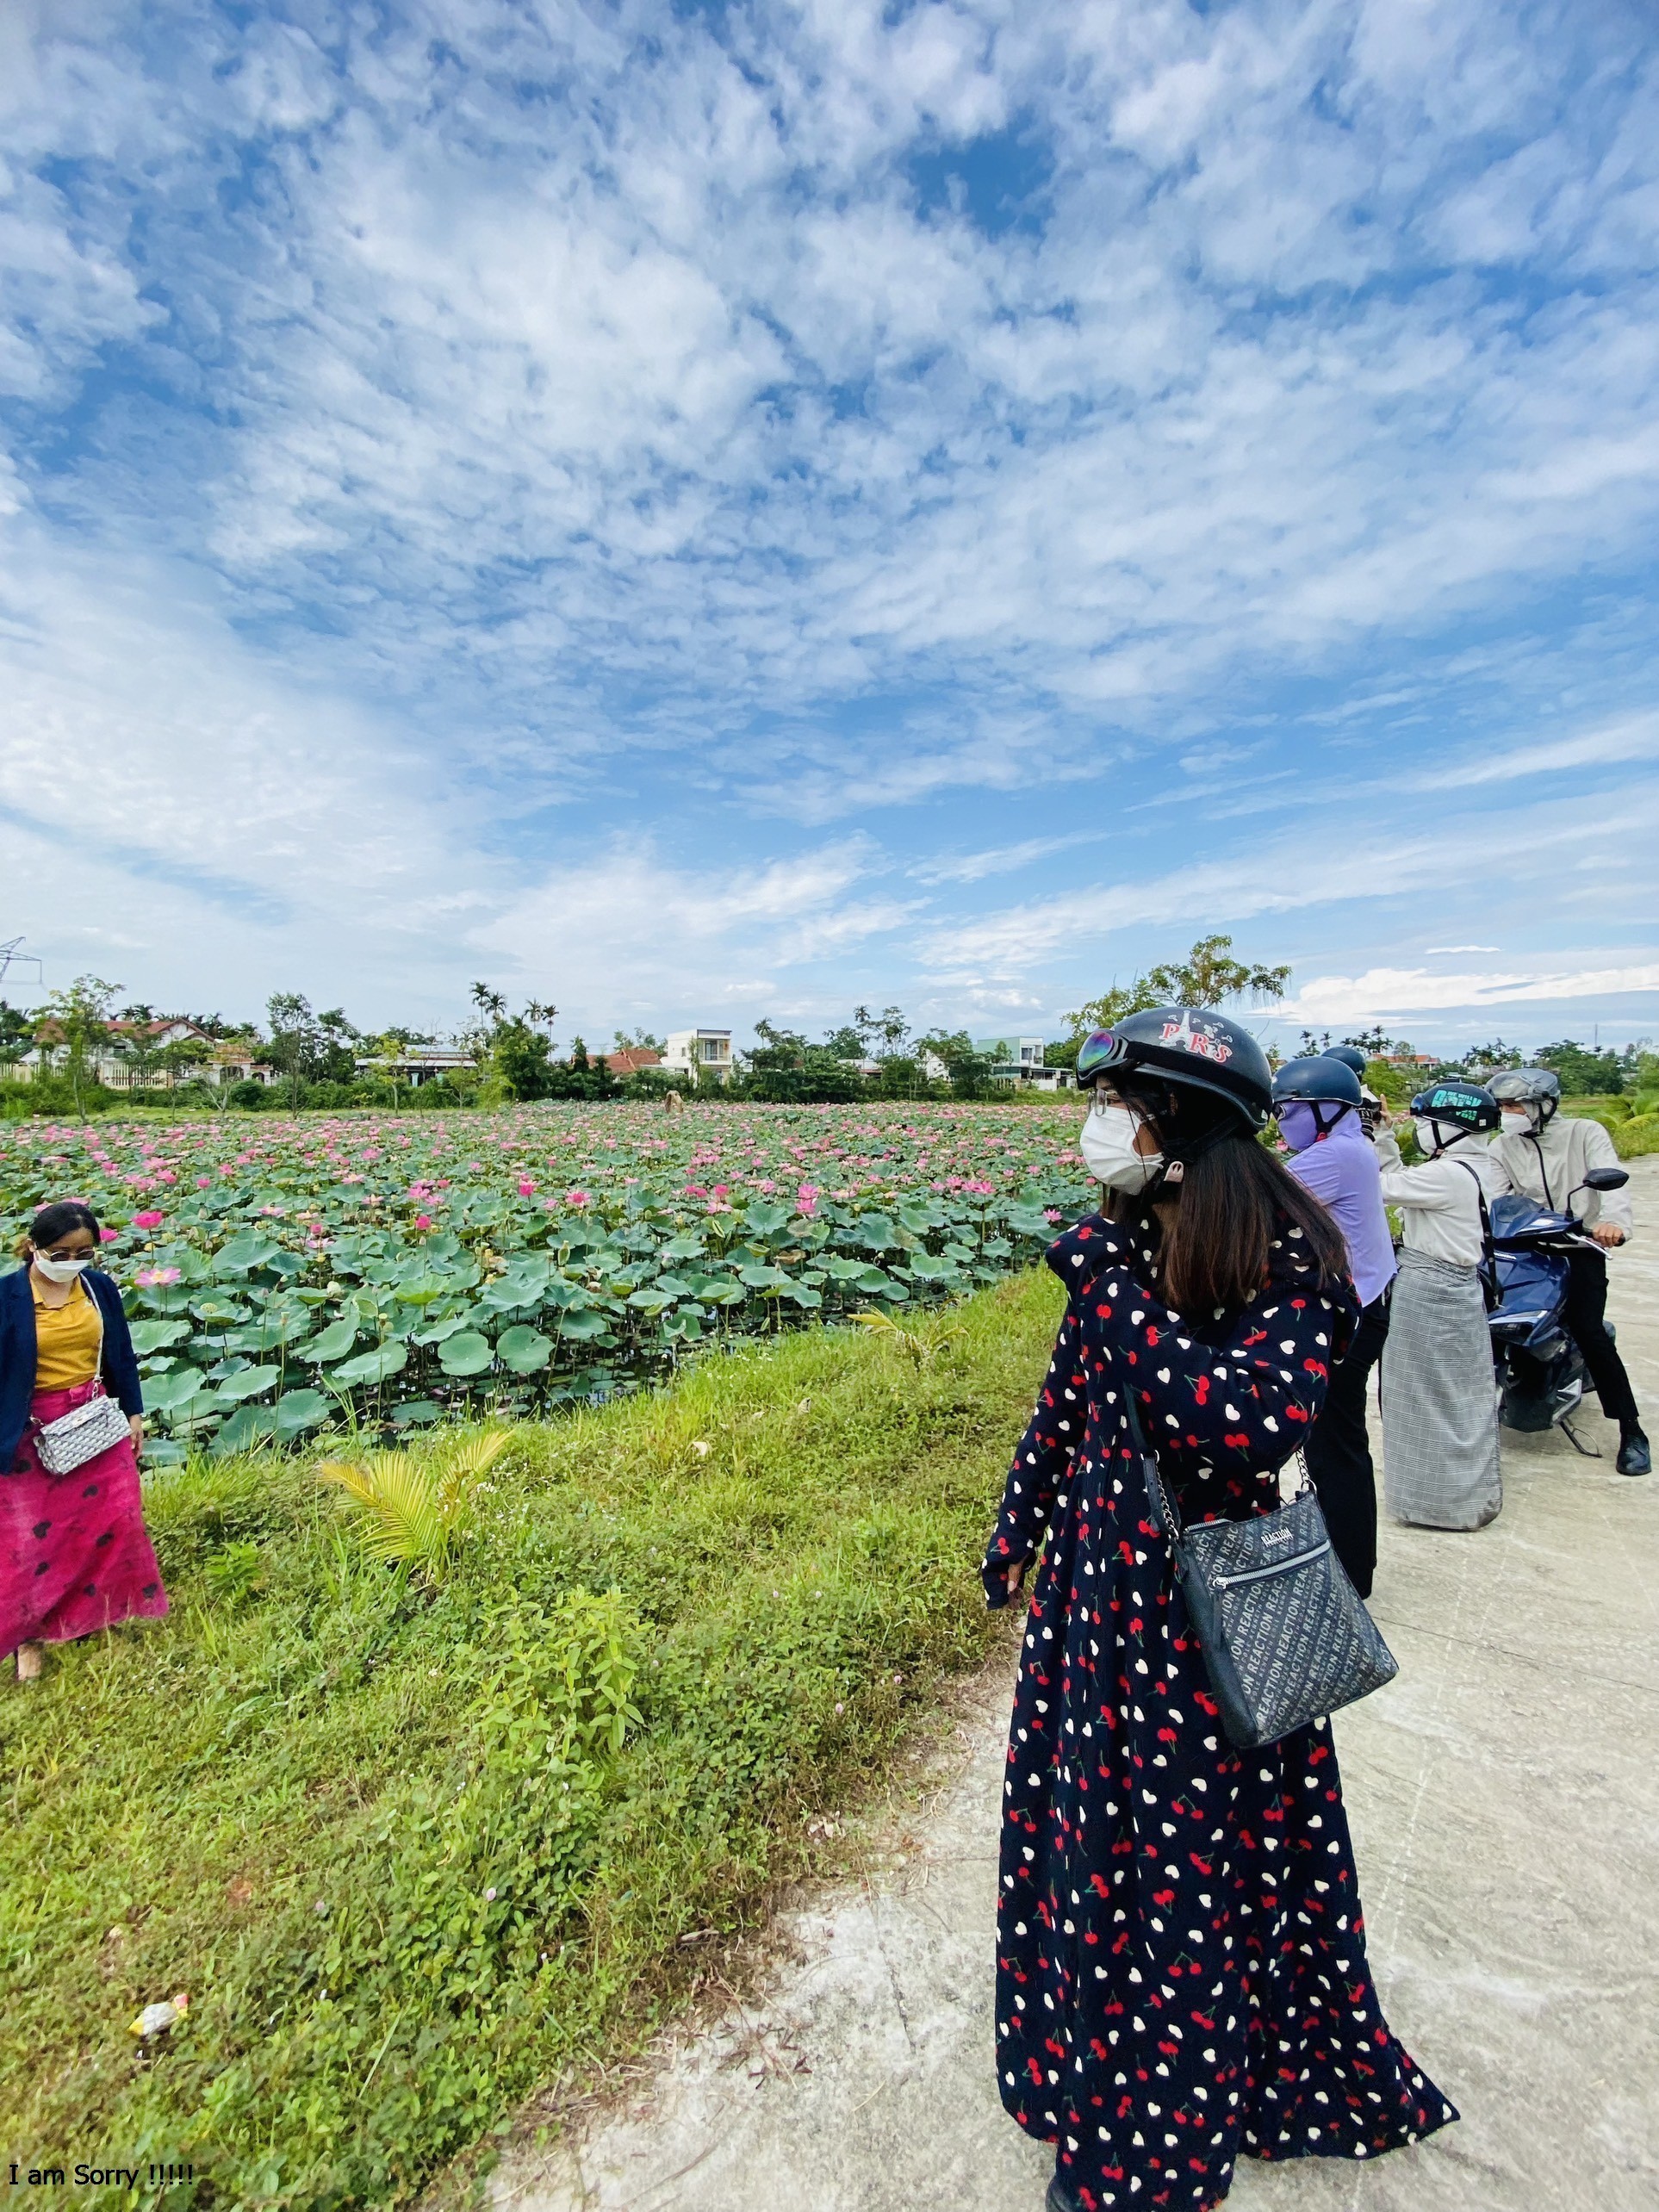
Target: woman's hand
{"type": "Point", "coordinates": [135, 1423]}
{"type": "Point", "coordinates": [1016, 1576]}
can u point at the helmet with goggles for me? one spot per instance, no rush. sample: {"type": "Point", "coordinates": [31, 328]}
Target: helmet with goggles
{"type": "Point", "coordinates": [1470, 1106]}
{"type": "Point", "coordinates": [1192, 1050]}
{"type": "Point", "coordinates": [1527, 1086]}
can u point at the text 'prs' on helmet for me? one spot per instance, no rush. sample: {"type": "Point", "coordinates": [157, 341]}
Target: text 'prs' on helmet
{"type": "Point", "coordinates": [1470, 1105]}
{"type": "Point", "coordinates": [1192, 1046]}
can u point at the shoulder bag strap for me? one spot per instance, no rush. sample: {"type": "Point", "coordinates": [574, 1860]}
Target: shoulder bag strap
{"type": "Point", "coordinates": [1165, 1510]}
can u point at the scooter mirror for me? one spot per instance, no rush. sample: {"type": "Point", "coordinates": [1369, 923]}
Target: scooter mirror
{"type": "Point", "coordinates": [1606, 1178]}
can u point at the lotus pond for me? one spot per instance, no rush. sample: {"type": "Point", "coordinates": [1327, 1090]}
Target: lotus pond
{"type": "Point", "coordinates": [284, 1276]}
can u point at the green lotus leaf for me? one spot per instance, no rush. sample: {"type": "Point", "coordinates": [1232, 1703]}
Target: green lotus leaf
{"type": "Point", "coordinates": [423, 1290]}
{"type": "Point", "coordinates": [371, 1367]}
{"type": "Point", "coordinates": [524, 1351]}
{"type": "Point", "coordinates": [466, 1354]}
{"type": "Point", "coordinates": [804, 1295]}
{"type": "Point", "coordinates": [165, 1393]}
{"type": "Point", "coordinates": [874, 1231]}
{"type": "Point", "coordinates": [156, 1336]}
{"type": "Point", "coordinates": [336, 1340]}
{"type": "Point", "coordinates": [763, 1220]}
{"type": "Point", "coordinates": [684, 1246]}
{"type": "Point", "coordinates": [299, 1410]}
{"type": "Point", "coordinates": [244, 1430]}
{"type": "Point", "coordinates": [247, 1382]}
{"type": "Point", "coordinates": [650, 1302]}
{"type": "Point", "coordinates": [252, 1249]}
{"type": "Point", "coordinates": [582, 1327]}
{"type": "Point", "coordinates": [439, 1332]}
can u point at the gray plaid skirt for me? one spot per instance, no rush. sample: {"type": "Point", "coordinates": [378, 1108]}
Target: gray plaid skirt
{"type": "Point", "coordinates": [1439, 1401]}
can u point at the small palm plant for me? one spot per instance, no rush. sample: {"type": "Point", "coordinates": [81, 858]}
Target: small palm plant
{"type": "Point", "coordinates": [921, 1350]}
{"type": "Point", "coordinates": [414, 1507]}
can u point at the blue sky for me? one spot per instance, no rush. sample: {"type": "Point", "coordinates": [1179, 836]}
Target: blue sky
{"type": "Point", "coordinates": [704, 511]}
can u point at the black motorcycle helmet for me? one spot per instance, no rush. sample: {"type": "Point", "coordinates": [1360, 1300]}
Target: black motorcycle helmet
{"type": "Point", "coordinates": [1320, 1080]}
{"type": "Point", "coordinates": [1196, 1074]}
{"type": "Point", "coordinates": [1470, 1105]}
{"type": "Point", "coordinates": [1349, 1055]}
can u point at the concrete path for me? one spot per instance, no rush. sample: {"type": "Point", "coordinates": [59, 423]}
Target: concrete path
{"type": "Point", "coordinates": [1504, 1794]}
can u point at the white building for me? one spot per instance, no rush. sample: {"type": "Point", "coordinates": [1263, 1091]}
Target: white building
{"type": "Point", "coordinates": [699, 1052]}
{"type": "Point", "coordinates": [1017, 1060]}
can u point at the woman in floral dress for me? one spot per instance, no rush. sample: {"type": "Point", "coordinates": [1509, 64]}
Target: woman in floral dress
{"type": "Point", "coordinates": [1181, 1973]}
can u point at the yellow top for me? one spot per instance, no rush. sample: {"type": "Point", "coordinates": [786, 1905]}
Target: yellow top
{"type": "Point", "coordinates": [66, 1340]}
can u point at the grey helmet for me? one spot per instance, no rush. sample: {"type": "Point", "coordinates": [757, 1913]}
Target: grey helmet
{"type": "Point", "coordinates": [1528, 1086]}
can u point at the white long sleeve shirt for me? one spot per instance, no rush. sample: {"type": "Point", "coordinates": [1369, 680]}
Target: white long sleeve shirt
{"type": "Point", "coordinates": [1551, 1164]}
{"type": "Point", "coordinates": [1440, 1202]}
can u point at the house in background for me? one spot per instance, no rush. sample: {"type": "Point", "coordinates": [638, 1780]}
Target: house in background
{"type": "Point", "coordinates": [1017, 1062]}
{"type": "Point", "coordinates": [114, 1066]}
{"type": "Point", "coordinates": [699, 1051]}
{"type": "Point", "coordinates": [418, 1064]}
{"type": "Point", "coordinates": [628, 1060]}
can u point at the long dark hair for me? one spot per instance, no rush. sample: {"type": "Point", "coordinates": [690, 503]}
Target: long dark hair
{"type": "Point", "coordinates": [61, 1218]}
{"type": "Point", "coordinates": [1232, 1200]}
{"type": "Point", "coordinates": [1235, 1199]}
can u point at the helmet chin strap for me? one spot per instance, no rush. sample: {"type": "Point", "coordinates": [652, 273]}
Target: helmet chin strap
{"type": "Point", "coordinates": [1324, 1126]}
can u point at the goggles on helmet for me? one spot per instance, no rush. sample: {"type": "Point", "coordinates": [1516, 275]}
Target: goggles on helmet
{"type": "Point", "coordinates": [1098, 1051]}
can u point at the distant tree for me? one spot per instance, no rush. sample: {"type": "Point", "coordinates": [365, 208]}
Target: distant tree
{"type": "Point", "coordinates": [1584, 1071]}
{"type": "Point", "coordinates": [1063, 1052]}
{"type": "Point", "coordinates": [1311, 1044]}
{"type": "Point", "coordinates": [214, 1025]}
{"type": "Point", "coordinates": [967, 1069]}
{"type": "Point", "coordinates": [1493, 1056]}
{"type": "Point", "coordinates": [185, 1056]}
{"type": "Point", "coordinates": [78, 1022]}
{"type": "Point", "coordinates": [521, 1059]}
{"type": "Point", "coordinates": [847, 1043]}
{"type": "Point", "coordinates": [17, 1033]}
{"type": "Point", "coordinates": [341, 1042]}
{"type": "Point", "coordinates": [1373, 1043]}
{"type": "Point", "coordinates": [1208, 976]}
{"type": "Point", "coordinates": [298, 1042]}
{"type": "Point", "coordinates": [639, 1040]}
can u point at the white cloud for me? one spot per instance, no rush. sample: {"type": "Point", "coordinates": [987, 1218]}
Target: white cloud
{"type": "Point", "coordinates": [1390, 993]}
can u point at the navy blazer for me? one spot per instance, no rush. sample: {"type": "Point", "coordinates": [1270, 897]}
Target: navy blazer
{"type": "Point", "coordinates": [120, 1373]}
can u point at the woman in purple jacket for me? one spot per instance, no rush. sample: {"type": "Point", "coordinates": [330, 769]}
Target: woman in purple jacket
{"type": "Point", "coordinates": [1317, 1102]}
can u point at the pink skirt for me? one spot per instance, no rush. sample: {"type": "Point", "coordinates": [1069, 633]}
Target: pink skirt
{"type": "Point", "coordinates": [75, 1555]}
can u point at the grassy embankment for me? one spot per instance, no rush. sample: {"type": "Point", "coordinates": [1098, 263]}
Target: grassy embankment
{"type": "Point", "coordinates": [1633, 1122]}
{"type": "Point", "coordinates": [381, 1834]}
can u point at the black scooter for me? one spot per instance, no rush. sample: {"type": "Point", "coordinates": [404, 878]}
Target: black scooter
{"type": "Point", "coordinates": [1540, 1370]}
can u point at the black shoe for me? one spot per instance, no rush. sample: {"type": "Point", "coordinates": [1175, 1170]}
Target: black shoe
{"type": "Point", "coordinates": [1634, 1456]}
{"type": "Point", "coordinates": [1059, 2198]}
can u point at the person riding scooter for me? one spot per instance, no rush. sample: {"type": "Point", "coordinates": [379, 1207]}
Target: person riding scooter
{"type": "Point", "coordinates": [1544, 1156]}
{"type": "Point", "coordinates": [1319, 1103]}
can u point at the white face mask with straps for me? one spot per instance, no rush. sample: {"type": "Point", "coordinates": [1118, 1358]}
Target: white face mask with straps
{"type": "Point", "coordinates": [1108, 1146]}
{"type": "Point", "coordinates": [61, 1271]}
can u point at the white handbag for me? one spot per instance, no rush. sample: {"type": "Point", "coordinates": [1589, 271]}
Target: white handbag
{"type": "Point", "coordinates": [85, 1431]}
{"type": "Point", "coordinates": [80, 1434]}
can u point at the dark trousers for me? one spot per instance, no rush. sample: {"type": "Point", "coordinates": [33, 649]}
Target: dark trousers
{"type": "Point", "coordinates": [1584, 1313]}
{"type": "Point", "coordinates": [1338, 1451]}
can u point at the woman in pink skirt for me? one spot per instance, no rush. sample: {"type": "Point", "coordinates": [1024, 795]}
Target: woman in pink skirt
{"type": "Point", "coordinates": [75, 1555]}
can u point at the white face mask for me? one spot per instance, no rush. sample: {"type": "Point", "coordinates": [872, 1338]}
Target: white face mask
{"type": "Point", "coordinates": [61, 1271]}
{"type": "Point", "coordinates": [1435, 1136]}
{"type": "Point", "coordinates": [1517, 1124]}
{"type": "Point", "coordinates": [1108, 1145]}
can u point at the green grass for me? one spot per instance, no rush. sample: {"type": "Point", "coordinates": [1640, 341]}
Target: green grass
{"type": "Point", "coordinates": [380, 1834]}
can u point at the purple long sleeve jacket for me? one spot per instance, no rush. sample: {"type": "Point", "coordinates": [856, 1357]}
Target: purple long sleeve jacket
{"type": "Point", "coordinates": [1341, 1170]}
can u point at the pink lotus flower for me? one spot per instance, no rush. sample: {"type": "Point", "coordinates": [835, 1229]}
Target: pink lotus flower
{"type": "Point", "coordinates": [806, 1199]}
{"type": "Point", "coordinates": [154, 1278]}
{"type": "Point", "coordinates": [577, 1198]}
{"type": "Point", "coordinates": [422, 1220]}
{"type": "Point", "coordinates": [202, 1181]}
{"type": "Point", "coordinates": [526, 1188]}
{"type": "Point", "coordinates": [148, 1220]}
{"type": "Point", "coordinates": [108, 1236]}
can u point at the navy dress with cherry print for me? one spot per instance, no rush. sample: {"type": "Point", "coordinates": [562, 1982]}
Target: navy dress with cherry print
{"type": "Point", "coordinates": [1181, 1972]}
